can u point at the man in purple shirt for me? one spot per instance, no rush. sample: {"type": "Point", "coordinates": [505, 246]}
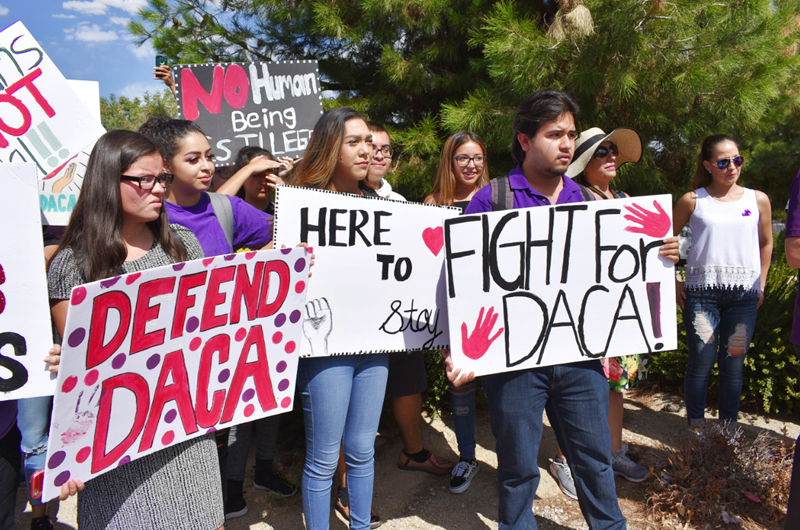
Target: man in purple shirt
{"type": "Point", "coordinates": [574, 395]}
{"type": "Point", "coordinates": [793, 259]}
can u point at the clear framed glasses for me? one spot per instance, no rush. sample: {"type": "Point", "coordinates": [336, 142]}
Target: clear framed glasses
{"type": "Point", "coordinates": [725, 162]}
{"type": "Point", "coordinates": [463, 160]}
{"type": "Point", "coordinates": [603, 150]}
{"type": "Point", "coordinates": [386, 151]}
{"type": "Point", "coordinates": [148, 182]}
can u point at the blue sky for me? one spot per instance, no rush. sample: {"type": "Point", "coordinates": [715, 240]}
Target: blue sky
{"type": "Point", "coordinates": [88, 39]}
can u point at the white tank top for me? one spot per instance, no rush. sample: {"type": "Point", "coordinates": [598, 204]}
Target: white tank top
{"type": "Point", "coordinates": [725, 249]}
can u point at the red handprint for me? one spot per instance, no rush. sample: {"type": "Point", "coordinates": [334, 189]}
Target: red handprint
{"type": "Point", "coordinates": [652, 224]}
{"type": "Point", "coordinates": [478, 343]}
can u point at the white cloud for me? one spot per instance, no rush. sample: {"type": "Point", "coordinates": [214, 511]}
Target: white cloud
{"type": "Point", "coordinates": [3, 10]}
{"type": "Point", "coordinates": [90, 33]}
{"type": "Point", "coordinates": [93, 7]}
{"type": "Point", "coordinates": [62, 15]}
{"type": "Point", "coordinates": [137, 90]}
{"type": "Point", "coordinates": [143, 51]}
{"type": "Point", "coordinates": [122, 21]}
{"type": "Point", "coordinates": [130, 6]}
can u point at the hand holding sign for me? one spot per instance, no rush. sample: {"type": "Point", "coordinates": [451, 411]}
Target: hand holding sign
{"type": "Point", "coordinates": [478, 343]}
{"type": "Point", "coordinates": [652, 224]}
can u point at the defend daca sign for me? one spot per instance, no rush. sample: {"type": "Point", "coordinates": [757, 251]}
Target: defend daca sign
{"type": "Point", "coordinates": [270, 105]}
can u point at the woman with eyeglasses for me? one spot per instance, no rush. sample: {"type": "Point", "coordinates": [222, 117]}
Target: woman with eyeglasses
{"type": "Point", "coordinates": [119, 225]}
{"type": "Point", "coordinates": [462, 172]}
{"type": "Point", "coordinates": [726, 272]}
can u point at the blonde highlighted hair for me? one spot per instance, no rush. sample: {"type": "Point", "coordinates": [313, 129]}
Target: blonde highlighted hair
{"type": "Point", "coordinates": [444, 188]}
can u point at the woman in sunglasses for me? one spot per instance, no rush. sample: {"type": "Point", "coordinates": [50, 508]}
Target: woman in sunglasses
{"type": "Point", "coordinates": [120, 226]}
{"type": "Point", "coordinates": [726, 272]}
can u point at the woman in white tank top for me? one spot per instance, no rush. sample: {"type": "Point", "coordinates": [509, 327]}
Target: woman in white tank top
{"type": "Point", "coordinates": [725, 274]}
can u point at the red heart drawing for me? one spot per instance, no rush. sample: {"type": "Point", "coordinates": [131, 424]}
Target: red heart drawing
{"type": "Point", "coordinates": [434, 239]}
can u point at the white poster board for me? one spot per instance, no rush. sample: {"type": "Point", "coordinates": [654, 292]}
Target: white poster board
{"type": "Point", "coordinates": [153, 358]}
{"type": "Point", "coordinates": [560, 284]}
{"type": "Point", "coordinates": [378, 279]}
{"type": "Point", "coordinates": [25, 330]}
{"type": "Point", "coordinates": [58, 193]}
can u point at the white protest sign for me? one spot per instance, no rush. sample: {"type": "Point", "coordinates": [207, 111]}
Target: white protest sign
{"type": "Point", "coordinates": [153, 358]}
{"type": "Point", "coordinates": [378, 279]}
{"type": "Point", "coordinates": [559, 284]}
{"type": "Point", "coordinates": [25, 329]}
{"type": "Point", "coordinates": [42, 119]}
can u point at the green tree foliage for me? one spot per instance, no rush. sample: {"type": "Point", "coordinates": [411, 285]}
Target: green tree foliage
{"type": "Point", "coordinates": [124, 113]}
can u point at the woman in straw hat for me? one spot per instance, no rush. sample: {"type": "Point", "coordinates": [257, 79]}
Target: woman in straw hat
{"type": "Point", "coordinates": [597, 157]}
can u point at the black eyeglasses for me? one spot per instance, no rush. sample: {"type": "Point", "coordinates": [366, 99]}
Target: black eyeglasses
{"type": "Point", "coordinates": [463, 160]}
{"type": "Point", "coordinates": [603, 150]}
{"type": "Point", "coordinates": [148, 182]}
{"type": "Point", "coordinates": [386, 151]}
{"type": "Point", "coordinates": [725, 162]}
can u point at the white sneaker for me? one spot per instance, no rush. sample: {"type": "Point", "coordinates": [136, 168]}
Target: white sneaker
{"type": "Point", "coordinates": [627, 468]}
{"type": "Point", "coordinates": [462, 475]}
{"type": "Point", "coordinates": [563, 475]}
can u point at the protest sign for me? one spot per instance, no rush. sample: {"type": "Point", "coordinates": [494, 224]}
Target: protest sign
{"type": "Point", "coordinates": [270, 105]}
{"type": "Point", "coordinates": [378, 280]}
{"type": "Point", "coordinates": [153, 358]}
{"type": "Point", "coordinates": [559, 284]}
{"type": "Point", "coordinates": [25, 330]}
{"type": "Point", "coordinates": [42, 120]}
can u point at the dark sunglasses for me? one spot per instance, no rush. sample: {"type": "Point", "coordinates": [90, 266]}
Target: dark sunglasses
{"type": "Point", "coordinates": [148, 182]}
{"type": "Point", "coordinates": [602, 151]}
{"type": "Point", "coordinates": [725, 162]}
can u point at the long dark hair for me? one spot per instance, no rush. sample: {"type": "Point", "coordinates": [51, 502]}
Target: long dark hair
{"type": "Point", "coordinates": [445, 184]}
{"type": "Point", "coordinates": [540, 107]}
{"type": "Point", "coordinates": [322, 154]}
{"type": "Point", "coordinates": [166, 133]}
{"type": "Point", "coordinates": [702, 177]}
{"type": "Point", "coordinates": [244, 156]}
{"type": "Point", "coordinates": [95, 227]}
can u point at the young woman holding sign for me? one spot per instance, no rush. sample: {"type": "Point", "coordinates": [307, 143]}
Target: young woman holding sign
{"type": "Point", "coordinates": [119, 226]}
{"type": "Point", "coordinates": [342, 395]}
{"type": "Point", "coordinates": [462, 172]}
{"type": "Point", "coordinates": [725, 274]}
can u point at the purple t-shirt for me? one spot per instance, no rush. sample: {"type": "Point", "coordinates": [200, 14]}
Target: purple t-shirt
{"type": "Point", "coordinates": [524, 195]}
{"type": "Point", "coordinates": [252, 228]}
{"type": "Point", "coordinates": [793, 230]}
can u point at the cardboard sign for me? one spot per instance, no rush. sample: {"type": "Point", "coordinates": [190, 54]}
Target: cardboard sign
{"type": "Point", "coordinates": [42, 120]}
{"type": "Point", "coordinates": [378, 279]}
{"type": "Point", "coordinates": [559, 284]}
{"type": "Point", "coordinates": [157, 357]}
{"type": "Point", "coordinates": [270, 105]}
{"type": "Point", "coordinates": [25, 330]}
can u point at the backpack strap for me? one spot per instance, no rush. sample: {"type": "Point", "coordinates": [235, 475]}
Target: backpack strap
{"type": "Point", "coordinates": [502, 194]}
{"type": "Point", "coordinates": [224, 213]}
{"type": "Point", "coordinates": [587, 195]}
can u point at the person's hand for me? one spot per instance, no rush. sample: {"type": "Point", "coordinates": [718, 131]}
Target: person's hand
{"type": "Point", "coordinates": [287, 164]}
{"type": "Point", "coordinates": [760, 296]}
{"type": "Point", "coordinates": [53, 358]}
{"type": "Point", "coordinates": [680, 294]}
{"type": "Point", "coordinates": [70, 488]}
{"type": "Point", "coordinates": [454, 375]}
{"type": "Point", "coordinates": [164, 73]}
{"type": "Point", "coordinates": [309, 249]}
{"type": "Point", "coordinates": [670, 249]}
{"type": "Point", "coordinates": [317, 325]}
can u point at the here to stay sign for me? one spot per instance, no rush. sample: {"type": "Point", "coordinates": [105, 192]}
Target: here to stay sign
{"type": "Point", "coordinates": [559, 284]}
{"type": "Point", "coordinates": [153, 358]}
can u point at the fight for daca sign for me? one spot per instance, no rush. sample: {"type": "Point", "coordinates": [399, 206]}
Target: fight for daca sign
{"type": "Point", "coordinates": [153, 358]}
{"type": "Point", "coordinates": [270, 105]}
{"type": "Point", "coordinates": [378, 280]}
{"type": "Point", "coordinates": [560, 284]}
{"type": "Point", "coordinates": [25, 331]}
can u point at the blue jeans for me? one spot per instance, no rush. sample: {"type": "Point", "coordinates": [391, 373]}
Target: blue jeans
{"type": "Point", "coordinates": [462, 403]}
{"type": "Point", "coordinates": [342, 401]}
{"type": "Point", "coordinates": [576, 399]}
{"type": "Point", "coordinates": [719, 327]}
{"type": "Point", "coordinates": [33, 421]}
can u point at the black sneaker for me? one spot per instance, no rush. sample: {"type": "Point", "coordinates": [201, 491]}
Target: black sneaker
{"type": "Point", "coordinates": [235, 505]}
{"type": "Point", "coordinates": [277, 485]}
{"type": "Point", "coordinates": [463, 474]}
{"type": "Point", "coordinates": [42, 523]}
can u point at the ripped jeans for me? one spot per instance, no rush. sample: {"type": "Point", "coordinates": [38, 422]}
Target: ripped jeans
{"type": "Point", "coordinates": [719, 328]}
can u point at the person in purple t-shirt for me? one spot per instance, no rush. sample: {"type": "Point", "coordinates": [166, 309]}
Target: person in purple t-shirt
{"type": "Point", "coordinates": [187, 155]}
{"type": "Point", "coordinates": [793, 259]}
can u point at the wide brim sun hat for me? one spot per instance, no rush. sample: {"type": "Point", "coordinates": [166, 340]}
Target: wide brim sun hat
{"type": "Point", "coordinates": [627, 140]}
